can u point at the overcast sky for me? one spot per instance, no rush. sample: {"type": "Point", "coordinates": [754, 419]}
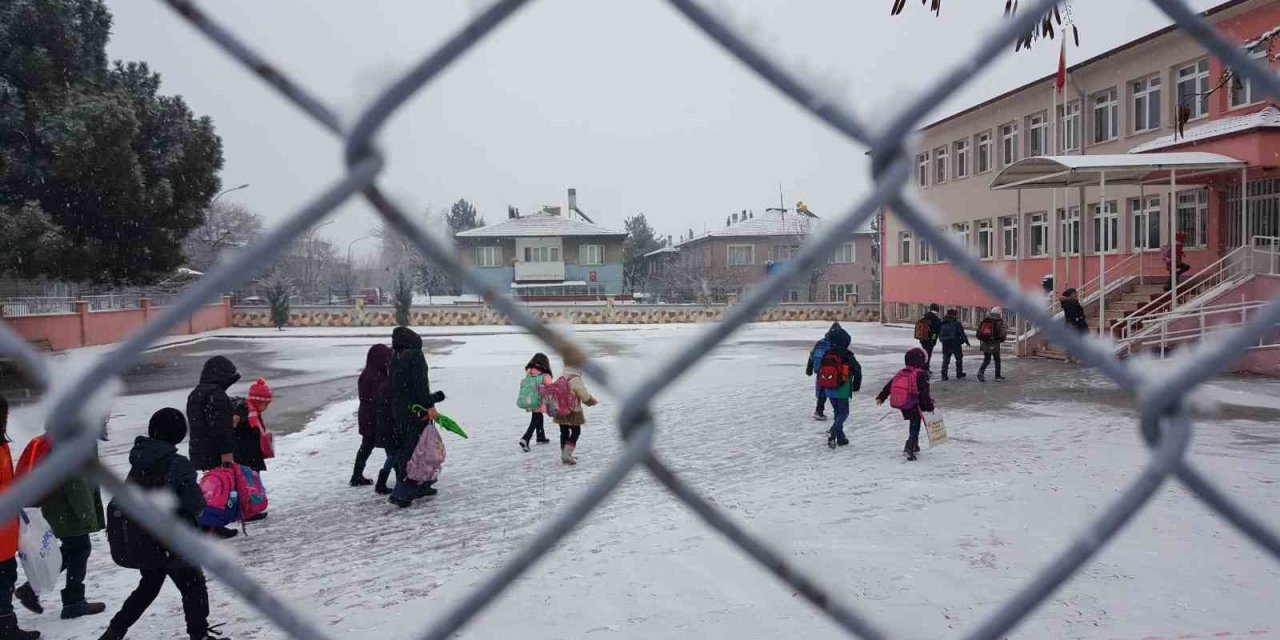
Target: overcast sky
{"type": "Point", "coordinates": [622, 99]}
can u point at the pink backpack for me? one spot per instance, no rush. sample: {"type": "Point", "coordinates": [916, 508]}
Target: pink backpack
{"type": "Point", "coordinates": [559, 397]}
{"type": "Point", "coordinates": [428, 456]}
{"type": "Point", "coordinates": [904, 392]}
{"type": "Point", "coordinates": [253, 495]}
{"type": "Point", "coordinates": [220, 510]}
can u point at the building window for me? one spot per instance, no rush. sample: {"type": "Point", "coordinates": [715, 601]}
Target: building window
{"type": "Point", "coordinates": [940, 158]}
{"type": "Point", "coordinates": [1242, 92]}
{"type": "Point", "coordinates": [1146, 222]}
{"type": "Point", "coordinates": [904, 311]}
{"type": "Point", "coordinates": [986, 240]}
{"type": "Point", "coordinates": [1008, 144]}
{"type": "Point", "coordinates": [783, 252]}
{"type": "Point", "coordinates": [844, 254]}
{"type": "Point", "coordinates": [1069, 129]}
{"type": "Point", "coordinates": [793, 295]}
{"type": "Point", "coordinates": [926, 251]}
{"type": "Point", "coordinates": [1106, 116]}
{"type": "Point", "coordinates": [841, 292]}
{"type": "Point", "coordinates": [590, 254]}
{"type": "Point", "coordinates": [1069, 231]}
{"type": "Point", "coordinates": [922, 170]}
{"type": "Point", "coordinates": [488, 256]}
{"type": "Point", "coordinates": [961, 159]}
{"type": "Point", "coordinates": [904, 247]}
{"type": "Point", "coordinates": [1009, 236]}
{"type": "Point", "coordinates": [1038, 135]}
{"type": "Point", "coordinates": [1146, 104]}
{"type": "Point", "coordinates": [1039, 235]}
{"type": "Point", "coordinates": [1106, 227]}
{"type": "Point", "coordinates": [1193, 217]}
{"type": "Point", "coordinates": [1193, 89]}
{"type": "Point", "coordinates": [961, 232]}
{"type": "Point", "coordinates": [742, 255]}
{"type": "Point", "coordinates": [542, 254]}
{"type": "Point", "coordinates": [984, 152]}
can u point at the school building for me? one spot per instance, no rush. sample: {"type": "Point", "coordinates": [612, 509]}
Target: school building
{"type": "Point", "coordinates": [1086, 184]}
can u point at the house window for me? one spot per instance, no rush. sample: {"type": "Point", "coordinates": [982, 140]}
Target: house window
{"type": "Point", "coordinates": [1008, 144]}
{"type": "Point", "coordinates": [1106, 116]}
{"type": "Point", "coordinates": [922, 170]}
{"type": "Point", "coordinates": [1193, 217]}
{"type": "Point", "coordinates": [741, 255]}
{"type": "Point", "coordinates": [904, 247]}
{"type": "Point", "coordinates": [844, 253]}
{"type": "Point", "coordinates": [926, 251]}
{"type": "Point", "coordinates": [1009, 236]}
{"type": "Point", "coordinates": [590, 254]}
{"type": "Point", "coordinates": [1069, 129]}
{"type": "Point", "coordinates": [961, 233]}
{"type": "Point", "coordinates": [961, 159]}
{"type": "Point", "coordinates": [984, 152]}
{"type": "Point", "coordinates": [1146, 103]}
{"type": "Point", "coordinates": [1038, 135]}
{"type": "Point", "coordinates": [1146, 222]}
{"type": "Point", "coordinates": [542, 254]}
{"type": "Point", "coordinates": [488, 256]}
{"type": "Point", "coordinates": [1193, 88]}
{"type": "Point", "coordinates": [1069, 231]}
{"type": "Point", "coordinates": [783, 252]}
{"type": "Point", "coordinates": [940, 158]}
{"type": "Point", "coordinates": [986, 240]}
{"type": "Point", "coordinates": [841, 292]}
{"type": "Point", "coordinates": [1106, 227]}
{"type": "Point", "coordinates": [1242, 92]}
{"type": "Point", "coordinates": [1039, 235]}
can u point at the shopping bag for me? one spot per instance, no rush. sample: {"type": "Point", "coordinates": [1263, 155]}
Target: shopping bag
{"type": "Point", "coordinates": [39, 551]}
{"type": "Point", "coordinates": [428, 456]}
{"type": "Point", "coordinates": [937, 430]}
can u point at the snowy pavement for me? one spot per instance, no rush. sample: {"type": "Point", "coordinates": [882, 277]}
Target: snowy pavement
{"type": "Point", "coordinates": [926, 548]}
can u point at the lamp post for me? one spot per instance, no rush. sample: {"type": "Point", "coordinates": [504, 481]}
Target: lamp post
{"type": "Point", "coordinates": [351, 265]}
{"type": "Point", "coordinates": [226, 191]}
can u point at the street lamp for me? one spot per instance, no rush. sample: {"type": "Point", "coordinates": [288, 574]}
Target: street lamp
{"type": "Point", "coordinates": [351, 265]}
{"type": "Point", "coordinates": [226, 191]}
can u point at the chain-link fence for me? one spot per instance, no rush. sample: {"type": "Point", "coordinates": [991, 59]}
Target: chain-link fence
{"type": "Point", "coordinates": [1164, 420]}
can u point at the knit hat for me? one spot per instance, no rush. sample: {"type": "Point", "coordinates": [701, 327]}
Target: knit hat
{"type": "Point", "coordinates": [259, 392]}
{"type": "Point", "coordinates": [934, 307]}
{"type": "Point", "coordinates": [168, 425]}
{"type": "Point", "coordinates": [951, 313]}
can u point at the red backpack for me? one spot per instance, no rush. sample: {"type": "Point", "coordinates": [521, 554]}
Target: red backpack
{"type": "Point", "coordinates": [904, 390]}
{"type": "Point", "coordinates": [924, 330]}
{"type": "Point", "coordinates": [832, 372]}
{"type": "Point", "coordinates": [559, 397]}
{"type": "Point", "coordinates": [987, 329]}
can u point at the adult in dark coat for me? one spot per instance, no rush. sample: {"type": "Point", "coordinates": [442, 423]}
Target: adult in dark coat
{"type": "Point", "coordinates": [412, 407]}
{"type": "Point", "coordinates": [915, 359]}
{"type": "Point", "coordinates": [155, 463]}
{"type": "Point", "coordinates": [370, 388]}
{"type": "Point", "coordinates": [209, 414]}
{"type": "Point", "coordinates": [1073, 311]}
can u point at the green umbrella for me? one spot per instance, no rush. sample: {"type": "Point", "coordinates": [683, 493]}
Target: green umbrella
{"type": "Point", "coordinates": [448, 424]}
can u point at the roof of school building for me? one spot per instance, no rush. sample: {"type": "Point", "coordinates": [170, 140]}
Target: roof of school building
{"type": "Point", "coordinates": [1268, 118]}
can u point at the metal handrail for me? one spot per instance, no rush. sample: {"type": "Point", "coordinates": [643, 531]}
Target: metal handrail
{"type": "Point", "coordinates": [1210, 320]}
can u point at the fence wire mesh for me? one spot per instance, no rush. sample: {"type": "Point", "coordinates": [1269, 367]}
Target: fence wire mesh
{"type": "Point", "coordinates": [1165, 423]}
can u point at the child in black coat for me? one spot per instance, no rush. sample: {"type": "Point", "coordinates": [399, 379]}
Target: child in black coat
{"type": "Point", "coordinates": [916, 361]}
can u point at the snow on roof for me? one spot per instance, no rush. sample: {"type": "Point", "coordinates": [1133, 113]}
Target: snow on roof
{"type": "Point", "coordinates": [661, 251]}
{"type": "Point", "coordinates": [767, 224]}
{"type": "Point", "coordinates": [540, 225]}
{"type": "Point", "coordinates": [1268, 118]}
{"type": "Point", "coordinates": [1041, 172]}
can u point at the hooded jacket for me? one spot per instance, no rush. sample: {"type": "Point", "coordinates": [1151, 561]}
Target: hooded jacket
{"type": "Point", "coordinates": [209, 414]}
{"type": "Point", "coordinates": [935, 325]}
{"type": "Point", "coordinates": [1001, 333]}
{"type": "Point", "coordinates": [579, 387]}
{"type": "Point", "coordinates": [1073, 313]}
{"type": "Point", "coordinates": [155, 464]}
{"type": "Point", "coordinates": [248, 439]}
{"type": "Point", "coordinates": [820, 349]}
{"type": "Point", "coordinates": [370, 387]}
{"type": "Point", "coordinates": [914, 358]}
{"type": "Point", "coordinates": [952, 333]}
{"type": "Point", "coordinates": [840, 341]}
{"type": "Point", "coordinates": [410, 380]}
{"type": "Point", "coordinates": [75, 507]}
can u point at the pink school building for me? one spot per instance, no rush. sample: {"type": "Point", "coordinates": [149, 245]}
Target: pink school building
{"type": "Point", "coordinates": [1123, 102]}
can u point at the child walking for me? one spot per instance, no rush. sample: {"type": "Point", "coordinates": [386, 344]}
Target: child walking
{"type": "Point", "coordinates": [908, 392]}
{"type": "Point", "coordinates": [536, 374]}
{"type": "Point", "coordinates": [9, 628]}
{"type": "Point", "coordinates": [571, 423]}
{"type": "Point", "coordinates": [954, 339]}
{"type": "Point", "coordinates": [991, 334]}
{"type": "Point", "coordinates": [839, 376]}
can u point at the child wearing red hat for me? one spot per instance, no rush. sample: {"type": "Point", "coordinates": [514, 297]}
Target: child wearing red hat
{"type": "Point", "coordinates": [253, 440]}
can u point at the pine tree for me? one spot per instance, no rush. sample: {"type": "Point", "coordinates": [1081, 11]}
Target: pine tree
{"type": "Point", "coordinates": [403, 295]}
{"type": "Point", "coordinates": [277, 289]}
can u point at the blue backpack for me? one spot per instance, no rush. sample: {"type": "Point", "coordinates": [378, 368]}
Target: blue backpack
{"type": "Point", "coordinates": [820, 350]}
{"type": "Point", "coordinates": [530, 398]}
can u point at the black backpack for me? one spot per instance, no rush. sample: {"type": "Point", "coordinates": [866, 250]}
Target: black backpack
{"type": "Point", "coordinates": [132, 546]}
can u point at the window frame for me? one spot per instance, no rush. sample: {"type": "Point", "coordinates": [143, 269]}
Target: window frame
{"type": "Point", "coordinates": [1009, 231]}
{"type": "Point", "coordinates": [542, 254]}
{"type": "Point", "coordinates": [1070, 217]}
{"type": "Point", "coordinates": [839, 257]}
{"type": "Point", "coordinates": [491, 251]}
{"type": "Point", "coordinates": [941, 165]}
{"type": "Point", "coordinates": [1246, 85]}
{"type": "Point", "coordinates": [960, 158]}
{"type": "Point", "coordinates": [1201, 80]}
{"type": "Point", "coordinates": [986, 228]}
{"type": "Point", "coordinates": [962, 232]}
{"type": "Point", "coordinates": [1150, 95]}
{"type": "Point", "coordinates": [1107, 99]}
{"type": "Point", "coordinates": [847, 288]}
{"type": "Point", "coordinates": [923, 167]}
{"type": "Point", "coordinates": [599, 248]}
{"type": "Point", "coordinates": [984, 142]}
{"type": "Point", "coordinates": [1198, 235]}
{"type": "Point", "coordinates": [1037, 126]}
{"type": "Point", "coordinates": [904, 247]}
{"type": "Point", "coordinates": [1100, 219]}
{"type": "Point", "coordinates": [729, 251]}
{"type": "Point", "coordinates": [1142, 215]}
{"type": "Point", "coordinates": [1038, 222]}
{"type": "Point", "coordinates": [1070, 126]}
{"type": "Point", "coordinates": [1008, 143]}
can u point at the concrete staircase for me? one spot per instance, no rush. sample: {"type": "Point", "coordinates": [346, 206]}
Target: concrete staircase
{"type": "Point", "coordinates": [1121, 303]}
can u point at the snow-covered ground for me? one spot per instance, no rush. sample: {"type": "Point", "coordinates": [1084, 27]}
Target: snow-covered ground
{"type": "Point", "coordinates": [926, 548]}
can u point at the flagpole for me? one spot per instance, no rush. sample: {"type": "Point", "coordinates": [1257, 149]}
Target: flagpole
{"type": "Point", "coordinates": [1053, 211]}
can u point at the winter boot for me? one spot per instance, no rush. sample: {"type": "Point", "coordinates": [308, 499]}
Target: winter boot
{"type": "Point", "coordinates": [818, 415]}
{"type": "Point", "coordinates": [831, 440]}
{"type": "Point", "coordinates": [982, 378]}
{"type": "Point", "coordinates": [9, 629]}
{"type": "Point", "coordinates": [960, 375]}
{"type": "Point", "coordinates": [999, 377]}
{"type": "Point", "coordinates": [524, 446]}
{"type": "Point", "coordinates": [211, 633]}
{"type": "Point", "coordinates": [842, 442]}
{"type": "Point", "coordinates": [542, 437]}
{"type": "Point", "coordinates": [909, 450]}
{"type": "Point", "coordinates": [566, 455]}
{"type": "Point", "coordinates": [223, 532]}
{"type": "Point", "coordinates": [399, 502]}
{"type": "Point", "coordinates": [358, 480]}
{"type": "Point", "coordinates": [426, 489]}
{"type": "Point", "coordinates": [28, 599]}
{"type": "Point", "coordinates": [112, 633]}
{"type": "Point", "coordinates": [381, 487]}
{"type": "Point", "coordinates": [81, 608]}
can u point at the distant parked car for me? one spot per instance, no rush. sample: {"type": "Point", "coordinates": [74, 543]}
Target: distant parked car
{"type": "Point", "coordinates": [253, 301]}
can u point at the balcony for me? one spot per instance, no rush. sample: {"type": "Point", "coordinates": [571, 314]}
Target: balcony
{"type": "Point", "coordinates": [539, 271]}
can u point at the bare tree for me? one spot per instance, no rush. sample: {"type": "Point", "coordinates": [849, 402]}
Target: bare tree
{"type": "Point", "coordinates": [226, 226]}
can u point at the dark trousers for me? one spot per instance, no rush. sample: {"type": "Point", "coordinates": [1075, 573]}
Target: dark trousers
{"type": "Point", "coordinates": [406, 489]}
{"type": "Point", "coordinates": [362, 454]}
{"type": "Point", "coordinates": [822, 400]}
{"type": "Point", "coordinates": [190, 583]}
{"type": "Point", "coordinates": [840, 411]}
{"type": "Point", "coordinates": [8, 578]}
{"type": "Point", "coordinates": [928, 346]}
{"type": "Point", "coordinates": [569, 435]}
{"type": "Point", "coordinates": [1182, 268]}
{"type": "Point", "coordinates": [535, 426]}
{"type": "Point", "coordinates": [75, 561]}
{"type": "Point", "coordinates": [948, 353]}
{"type": "Point", "coordinates": [986, 359]}
{"type": "Point", "coordinates": [913, 433]}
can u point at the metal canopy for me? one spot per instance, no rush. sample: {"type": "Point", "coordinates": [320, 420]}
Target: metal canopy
{"type": "Point", "coordinates": [1057, 172]}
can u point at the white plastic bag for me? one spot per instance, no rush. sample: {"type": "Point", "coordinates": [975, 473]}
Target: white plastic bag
{"type": "Point", "coordinates": [40, 552]}
{"type": "Point", "coordinates": [936, 429]}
